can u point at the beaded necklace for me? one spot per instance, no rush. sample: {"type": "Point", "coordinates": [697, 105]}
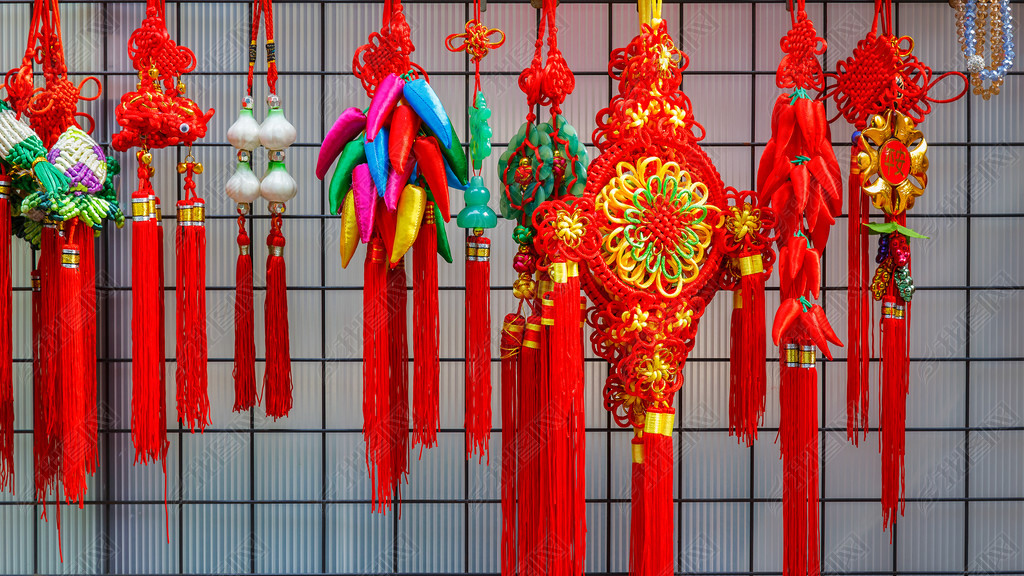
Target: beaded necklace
{"type": "Point", "coordinates": [970, 26]}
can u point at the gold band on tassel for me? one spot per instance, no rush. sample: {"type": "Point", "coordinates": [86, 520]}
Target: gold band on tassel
{"type": "Point", "coordinates": [737, 299]}
{"type": "Point", "coordinates": [243, 249]}
{"type": "Point", "coordinates": [69, 258]}
{"type": "Point", "coordinates": [750, 265]}
{"type": "Point", "coordinates": [893, 310]}
{"type": "Point", "coordinates": [36, 284]}
{"type": "Point", "coordinates": [560, 272]}
{"type": "Point", "coordinates": [191, 214]}
{"type": "Point", "coordinates": [659, 423]}
{"type": "Point", "coordinates": [140, 209]}
{"type": "Point", "coordinates": [512, 327]}
{"type": "Point", "coordinates": [638, 453]}
{"type": "Point", "coordinates": [276, 250]}
{"type": "Point", "coordinates": [5, 188]}
{"type": "Point", "coordinates": [477, 251]}
{"type": "Point", "coordinates": [547, 317]}
{"type": "Point", "coordinates": [792, 356]}
{"type": "Point", "coordinates": [807, 357]}
{"type": "Point", "coordinates": [529, 342]}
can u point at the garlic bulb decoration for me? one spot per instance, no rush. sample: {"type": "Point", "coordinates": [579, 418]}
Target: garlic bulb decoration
{"type": "Point", "coordinates": [277, 133]}
{"type": "Point", "coordinates": [244, 134]}
{"type": "Point", "coordinates": [278, 185]}
{"type": "Point", "coordinates": [243, 187]}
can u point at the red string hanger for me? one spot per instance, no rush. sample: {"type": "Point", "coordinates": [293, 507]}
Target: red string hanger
{"type": "Point", "coordinates": [395, 162]}
{"type": "Point", "coordinates": [157, 115]}
{"type": "Point", "coordinates": [276, 135]}
{"type": "Point", "coordinates": [883, 90]}
{"type": "Point", "coordinates": [799, 178]}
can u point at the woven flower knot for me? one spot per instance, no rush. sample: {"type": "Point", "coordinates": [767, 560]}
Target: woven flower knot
{"type": "Point", "coordinates": [743, 220]}
{"type": "Point", "coordinates": [477, 40]}
{"type": "Point", "coordinates": [569, 227]}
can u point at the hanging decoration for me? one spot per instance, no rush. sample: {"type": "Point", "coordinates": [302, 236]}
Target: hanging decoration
{"type": "Point", "coordinates": [276, 135]}
{"type": "Point", "coordinates": [882, 89]}
{"type": "Point", "coordinates": [799, 178]}
{"type": "Point", "coordinates": [475, 218]}
{"type": "Point", "coordinates": [543, 453]}
{"type": "Point", "coordinates": [56, 191]}
{"type": "Point", "coordinates": [157, 114]}
{"type": "Point", "coordinates": [657, 234]}
{"type": "Point", "coordinates": [971, 19]}
{"type": "Point", "coordinates": [395, 162]}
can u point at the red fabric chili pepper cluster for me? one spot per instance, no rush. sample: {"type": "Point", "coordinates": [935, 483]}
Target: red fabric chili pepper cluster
{"type": "Point", "coordinates": [151, 117]}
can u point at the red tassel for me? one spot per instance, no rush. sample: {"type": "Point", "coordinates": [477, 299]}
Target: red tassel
{"type": "Point", "coordinates": [747, 370]}
{"type": "Point", "coordinates": [426, 335]}
{"type": "Point", "coordinates": [87, 268]}
{"type": "Point", "coordinates": [6, 376]}
{"type": "Point", "coordinates": [658, 510]}
{"type": "Point", "coordinates": [191, 375]}
{"type": "Point", "coordinates": [798, 434]}
{"type": "Point", "coordinates": [376, 400]}
{"type": "Point", "coordinates": [530, 460]}
{"type": "Point", "coordinates": [277, 380]}
{"type": "Point", "coordinates": [511, 347]}
{"type": "Point", "coordinates": [244, 372]}
{"type": "Point", "coordinates": [859, 306]}
{"type": "Point", "coordinates": [637, 524]}
{"type": "Point", "coordinates": [148, 435]}
{"type": "Point", "coordinates": [895, 385]}
{"type": "Point", "coordinates": [478, 347]}
{"type": "Point", "coordinates": [45, 444]}
{"type": "Point", "coordinates": [73, 413]}
{"type": "Point", "coordinates": [50, 246]}
{"type": "Point", "coordinates": [161, 393]}
{"type": "Point", "coordinates": [398, 358]}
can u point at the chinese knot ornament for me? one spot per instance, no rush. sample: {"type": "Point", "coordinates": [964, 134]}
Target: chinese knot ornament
{"type": "Point", "coordinates": [543, 432]}
{"type": "Point", "coordinates": [157, 114]}
{"type": "Point", "coordinates": [799, 178]}
{"type": "Point", "coordinates": [882, 89]}
{"type": "Point", "coordinates": [276, 135]}
{"type": "Point", "coordinates": [395, 162]}
{"type": "Point", "coordinates": [658, 234]}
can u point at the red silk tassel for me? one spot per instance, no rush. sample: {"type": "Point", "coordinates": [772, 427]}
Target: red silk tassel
{"type": "Point", "coordinates": [636, 506]}
{"type": "Point", "coordinates": [376, 401]}
{"type": "Point", "coordinates": [50, 246]}
{"type": "Point", "coordinates": [859, 306]}
{"type": "Point", "coordinates": [277, 380]}
{"type": "Point", "coordinates": [565, 348]}
{"type": "Point", "coordinates": [148, 435]}
{"type": "Point", "coordinates": [73, 413]}
{"type": "Point", "coordinates": [478, 347]}
{"type": "Point", "coordinates": [895, 385]}
{"type": "Point", "coordinates": [87, 268]}
{"type": "Point", "coordinates": [191, 376]}
{"type": "Point", "coordinates": [659, 558]}
{"type": "Point", "coordinates": [161, 394]}
{"type": "Point", "coordinates": [798, 434]}
{"type": "Point", "coordinates": [511, 348]}
{"type": "Point", "coordinates": [426, 335]}
{"type": "Point", "coordinates": [244, 372]}
{"type": "Point", "coordinates": [6, 375]}
{"type": "Point", "coordinates": [45, 446]}
{"type": "Point", "coordinates": [398, 357]}
{"type": "Point", "coordinates": [747, 369]}
{"type": "Point", "coordinates": [530, 459]}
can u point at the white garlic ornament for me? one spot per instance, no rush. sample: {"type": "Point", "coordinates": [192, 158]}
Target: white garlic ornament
{"type": "Point", "coordinates": [277, 133]}
{"type": "Point", "coordinates": [278, 185]}
{"type": "Point", "coordinates": [244, 134]}
{"type": "Point", "coordinates": [243, 187]}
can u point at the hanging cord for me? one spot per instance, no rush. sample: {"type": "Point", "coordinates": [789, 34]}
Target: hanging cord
{"type": "Point", "coordinates": [263, 9]}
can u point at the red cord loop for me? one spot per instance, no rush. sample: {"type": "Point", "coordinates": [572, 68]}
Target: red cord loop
{"type": "Point", "coordinates": [387, 51]}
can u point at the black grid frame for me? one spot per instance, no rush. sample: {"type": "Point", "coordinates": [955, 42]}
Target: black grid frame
{"type": "Point", "coordinates": [980, 300]}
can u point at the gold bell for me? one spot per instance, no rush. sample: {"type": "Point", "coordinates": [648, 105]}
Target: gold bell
{"type": "Point", "coordinates": [181, 167]}
{"type": "Point", "coordinates": [198, 168]}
